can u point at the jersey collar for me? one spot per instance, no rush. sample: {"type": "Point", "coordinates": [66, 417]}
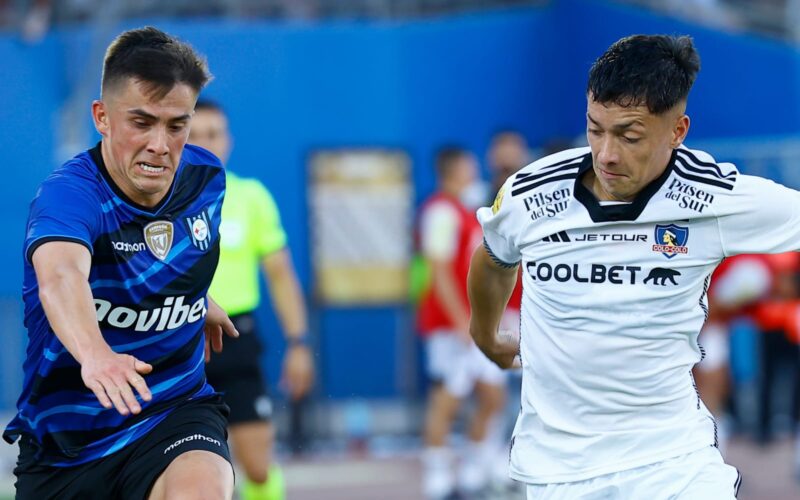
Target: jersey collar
{"type": "Point", "coordinates": [623, 212]}
{"type": "Point", "coordinates": [97, 157]}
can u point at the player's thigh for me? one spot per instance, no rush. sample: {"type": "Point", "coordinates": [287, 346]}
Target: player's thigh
{"type": "Point", "coordinates": [195, 475]}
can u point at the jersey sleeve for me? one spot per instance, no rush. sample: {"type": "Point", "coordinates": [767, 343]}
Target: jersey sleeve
{"type": "Point", "coordinates": [500, 228]}
{"type": "Point", "coordinates": [62, 211]}
{"type": "Point", "coordinates": [269, 236]}
{"type": "Point", "coordinates": [764, 218]}
{"type": "Point", "coordinates": [439, 229]}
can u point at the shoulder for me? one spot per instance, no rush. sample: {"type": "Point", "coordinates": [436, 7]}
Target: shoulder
{"type": "Point", "coordinates": [197, 156]}
{"type": "Point", "coordinates": [701, 168]}
{"type": "Point", "coordinates": [559, 167]}
{"type": "Point", "coordinates": [78, 176]}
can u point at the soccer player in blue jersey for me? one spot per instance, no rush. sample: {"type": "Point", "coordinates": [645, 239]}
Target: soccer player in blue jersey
{"type": "Point", "coordinates": [122, 242]}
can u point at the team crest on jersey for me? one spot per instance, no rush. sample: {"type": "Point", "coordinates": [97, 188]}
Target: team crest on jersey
{"type": "Point", "coordinates": [199, 229]}
{"type": "Point", "coordinates": [671, 240]}
{"type": "Point", "coordinates": [158, 237]}
{"type": "Point", "coordinates": [498, 200]}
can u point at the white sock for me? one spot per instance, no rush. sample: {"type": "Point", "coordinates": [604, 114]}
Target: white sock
{"type": "Point", "coordinates": [475, 468]}
{"type": "Point", "coordinates": [437, 470]}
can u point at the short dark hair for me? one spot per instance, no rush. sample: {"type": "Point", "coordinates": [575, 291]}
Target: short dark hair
{"type": "Point", "coordinates": [652, 70]}
{"type": "Point", "coordinates": [158, 60]}
{"type": "Point", "coordinates": [447, 157]}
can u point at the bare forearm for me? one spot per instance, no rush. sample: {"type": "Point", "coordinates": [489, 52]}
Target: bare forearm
{"type": "Point", "coordinates": [68, 304]}
{"type": "Point", "coordinates": [287, 296]}
{"type": "Point", "coordinates": [490, 287]}
{"type": "Point", "coordinates": [446, 289]}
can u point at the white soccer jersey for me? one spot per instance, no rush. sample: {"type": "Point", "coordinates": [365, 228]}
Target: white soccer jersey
{"type": "Point", "coordinates": [613, 300]}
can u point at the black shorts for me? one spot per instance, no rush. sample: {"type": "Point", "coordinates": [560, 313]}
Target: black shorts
{"type": "Point", "coordinates": [236, 373]}
{"type": "Point", "coordinates": [130, 473]}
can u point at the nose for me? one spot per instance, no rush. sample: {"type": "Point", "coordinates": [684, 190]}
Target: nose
{"type": "Point", "coordinates": [608, 154]}
{"type": "Point", "coordinates": [158, 144]}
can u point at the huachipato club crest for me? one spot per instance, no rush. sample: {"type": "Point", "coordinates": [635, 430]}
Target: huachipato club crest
{"type": "Point", "coordinates": [158, 237]}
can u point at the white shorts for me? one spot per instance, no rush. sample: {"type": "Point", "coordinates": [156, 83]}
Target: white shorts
{"type": "Point", "coordinates": [459, 365]}
{"type": "Point", "coordinates": [698, 475]}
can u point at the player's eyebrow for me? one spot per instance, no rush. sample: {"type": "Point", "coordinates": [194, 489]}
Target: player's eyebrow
{"type": "Point", "coordinates": [145, 114]}
{"type": "Point", "coordinates": [617, 127]}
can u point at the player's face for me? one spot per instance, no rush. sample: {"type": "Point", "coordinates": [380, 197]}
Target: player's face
{"type": "Point", "coordinates": [143, 137]}
{"type": "Point", "coordinates": [210, 130]}
{"type": "Point", "coordinates": [630, 146]}
{"type": "Point", "coordinates": [464, 172]}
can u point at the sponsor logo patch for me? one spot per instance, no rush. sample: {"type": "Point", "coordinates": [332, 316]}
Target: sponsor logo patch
{"type": "Point", "coordinates": [158, 237]}
{"type": "Point", "coordinates": [193, 437]}
{"type": "Point", "coordinates": [671, 240]}
{"type": "Point", "coordinates": [659, 276]}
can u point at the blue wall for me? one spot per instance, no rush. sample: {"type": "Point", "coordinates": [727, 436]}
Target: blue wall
{"type": "Point", "coordinates": [292, 88]}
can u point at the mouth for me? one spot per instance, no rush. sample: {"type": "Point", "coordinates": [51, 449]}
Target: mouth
{"type": "Point", "coordinates": [609, 175]}
{"type": "Point", "coordinates": [151, 168]}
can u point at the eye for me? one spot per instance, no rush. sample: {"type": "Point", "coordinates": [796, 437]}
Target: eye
{"type": "Point", "coordinates": [140, 123]}
{"type": "Point", "coordinates": [595, 132]}
{"type": "Point", "coordinates": [177, 127]}
{"type": "Point", "coordinates": [632, 140]}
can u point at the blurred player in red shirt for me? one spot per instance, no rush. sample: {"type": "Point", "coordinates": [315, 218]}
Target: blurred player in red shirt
{"type": "Point", "coordinates": [448, 235]}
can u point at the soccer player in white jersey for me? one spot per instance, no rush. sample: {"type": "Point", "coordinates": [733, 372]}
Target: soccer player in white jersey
{"type": "Point", "coordinates": [617, 242]}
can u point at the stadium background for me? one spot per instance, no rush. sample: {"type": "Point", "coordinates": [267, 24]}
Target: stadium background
{"type": "Point", "coordinates": [408, 79]}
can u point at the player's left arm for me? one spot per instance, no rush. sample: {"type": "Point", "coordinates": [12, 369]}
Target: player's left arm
{"type": "Point", "coordinates": [490, 285]}
{"type": "Point", "coordinates": [217, 322]}
{"type": "Point", "coordinates": [287, 299]}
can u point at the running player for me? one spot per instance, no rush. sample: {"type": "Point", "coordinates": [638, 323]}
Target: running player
{"type": "Point", "coordinates": [120, 248]}
{"type": "Point", "coordinates": [617, 242]}
{"type": "Point", "coordinates": [448, 235]}
{"type": "Point", "coordinates": [252, 235]}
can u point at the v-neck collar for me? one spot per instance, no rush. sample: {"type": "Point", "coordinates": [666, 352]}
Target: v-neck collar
{"type": "Point", "coordinates": [621, 212]}
{"type": "Point", "coordinates": [97, 157]}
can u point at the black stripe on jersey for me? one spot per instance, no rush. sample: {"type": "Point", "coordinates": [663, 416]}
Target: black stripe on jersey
{"type": "Point", "coordinates": [679, 169]}
{"type": "Point", "coordinates": [716, 432]}
{"type": "Point", "coordinates": [522, 178]}
{"type": "Point", "coordinates": [737, 484]}
{"type": "Point", "coordinates": [525, 189]}
{"type": "Point", "coordinates": [190, 283]}
{"type": "Point", "coordinates": [41, 241]}
{"type": "Point", "coordinates": [710, 168]}
{"type": "Point", "coordinates": [193, 181]}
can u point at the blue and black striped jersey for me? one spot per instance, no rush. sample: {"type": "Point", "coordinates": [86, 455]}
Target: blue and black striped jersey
{"type": "Point", "coordinates": [151, 268]}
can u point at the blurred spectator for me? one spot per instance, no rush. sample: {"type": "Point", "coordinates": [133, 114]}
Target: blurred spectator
{"type": "Point", "coordinates": [738, 282]}
{"type": "Point", "coordinates": [252, 236]}
{"type": "Point", "coordinates": [448, 234]}
{"type": "Point", "coordinates": [508, 152]}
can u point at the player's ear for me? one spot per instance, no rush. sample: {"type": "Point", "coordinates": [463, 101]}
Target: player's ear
{"type": "Point", "coordinates": [679, 130]}
{"type": "Point", "coordinates": [100, 117]}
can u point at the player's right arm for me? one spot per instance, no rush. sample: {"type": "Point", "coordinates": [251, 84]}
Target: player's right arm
{"type": "Point", "coordinates": [490, 286]}
{"type": "Point", "coordinates": [493, 274]}
{"type": "Point", "coordinates": [62, 272]}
